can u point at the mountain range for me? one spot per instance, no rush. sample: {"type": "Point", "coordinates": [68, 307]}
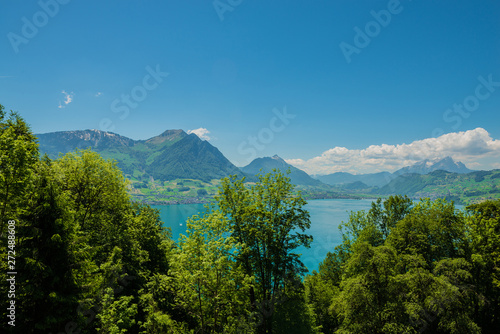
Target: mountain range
{"type": "Point", "coordinates": [383, 178]}
{"type": "Point", "coordinates": [427, 166]}
{"type": "Point", "coordinates": [174, 154]}
{"type": "Point", "coordinates": [175, 157]}
{"type": "Point", "coordinates": [463, 188]}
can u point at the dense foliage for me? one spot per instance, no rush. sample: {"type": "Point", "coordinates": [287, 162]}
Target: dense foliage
{"type": "Point", "coordinates": [412, 268]}
{"type": "Point", "coordinates": [84, 254]}
{"type": "Point", "coordinates": [89, 260]}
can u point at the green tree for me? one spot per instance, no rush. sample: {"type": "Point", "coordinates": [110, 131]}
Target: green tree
{"type": "Point", "coordinates": [117, 315]}
{"type": "Point", "coordinates": [320, 292]}
{"type": "Point", "coordinates": [434, 229]}
{"type": "Point", "coordinates": [117, 244]}
{"type": "Point", "coordinates": [268, 220]}
{"type": "Point", "coordinates": [385, 215]}
{"type": "Point", "coordinates": [293, 314]}
{"type": "Point", "coordinates": [210, 285]}
{"type": "Point", "coordinates": [48, 294]}
{"type": "Point", "coordinates": [365, 288]}
{"type": "Point", "coordinates": [484, 233]}
{"type": "Point", "coordinates": [157, 300]}
{"type": "Point", "coordinates": [96, 188]}
{"type": "Point", "coordinates": [18, 156]}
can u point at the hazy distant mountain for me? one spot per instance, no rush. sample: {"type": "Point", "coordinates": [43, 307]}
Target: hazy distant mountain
{"type": "Point", "coordinates": [337, 178]}
{"type": "Point", "coordinates": [428, 166]}
{"type": "Point", "coordinates": [371, 180]}
{"type": "Point", "coordinates": [357, 185]}
{"type": "Point", "coordinates": [267, 164]}
{"type": "Point", "coordinates": [383, 178]}
{"type": "Point", "coordinates": [170, 155]}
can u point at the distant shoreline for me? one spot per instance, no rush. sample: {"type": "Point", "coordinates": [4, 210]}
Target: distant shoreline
{"type": "Point", "coordinates": [205, 201]}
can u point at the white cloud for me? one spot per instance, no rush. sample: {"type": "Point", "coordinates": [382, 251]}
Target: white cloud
{"type": "Point", "coordinates": [473, 147]}
{"type": "Point", "coordinates": [68, 98]}
{"type": "Point", "coordinates": [98, 94]}
{"type": "Point", "coordinates": [201, 132]}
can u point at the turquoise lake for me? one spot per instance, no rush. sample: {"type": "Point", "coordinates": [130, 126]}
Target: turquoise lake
{"type": "Point", "coordinates": [326, 215]}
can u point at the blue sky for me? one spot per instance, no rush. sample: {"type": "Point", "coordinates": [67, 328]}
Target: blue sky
{"type": "Point", "coordinates": [356, 86]}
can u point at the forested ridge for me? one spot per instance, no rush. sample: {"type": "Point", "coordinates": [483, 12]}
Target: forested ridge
{"type": "Point", "coordinates": [90, 260]}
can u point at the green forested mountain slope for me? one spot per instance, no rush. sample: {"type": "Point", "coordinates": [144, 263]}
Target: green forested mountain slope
{"type": "Point", "coordinates": [267, 164]}
{"type": "Point", "coordinates": [171, 155]}
{"type": "Point", "coordinates": [191, 158]}
{"type": "Point", "coordinates": [371, 180]}
{"type": "Point", "coordinates": [465, 188]}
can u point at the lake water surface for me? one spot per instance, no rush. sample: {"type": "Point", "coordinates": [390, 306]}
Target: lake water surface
{"type": "Point", "coordinates": [326, 215]}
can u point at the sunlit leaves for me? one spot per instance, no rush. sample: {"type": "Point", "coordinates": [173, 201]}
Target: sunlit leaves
{"type": "Point", "coordinates": [208, 282]}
